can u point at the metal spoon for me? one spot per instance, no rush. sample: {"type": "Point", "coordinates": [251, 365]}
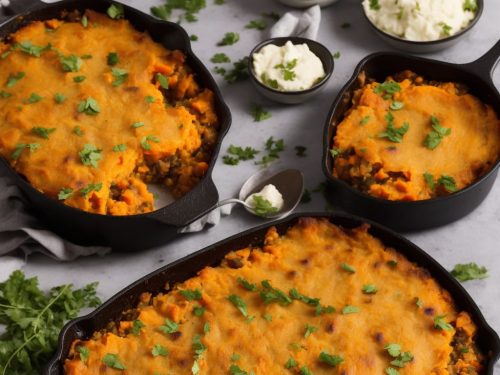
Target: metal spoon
{"type": "Point", "coordinates": [289, 182]}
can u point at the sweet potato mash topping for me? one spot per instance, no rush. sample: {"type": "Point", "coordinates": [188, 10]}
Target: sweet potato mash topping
{"type": "Point", "coordinates": [319, 299]}
{"type": "Point", "coordinates": [91, 110]}
{"type": "Point", "coordinates": [405, 139]}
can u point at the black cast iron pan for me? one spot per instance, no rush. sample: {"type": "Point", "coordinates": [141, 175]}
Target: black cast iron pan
{"type": "Point", "coordinates": [416, 215]}
{"type": "Point", "coordinates": [128, 233]}
{"type": "Point", "coordinates": [181, 270]}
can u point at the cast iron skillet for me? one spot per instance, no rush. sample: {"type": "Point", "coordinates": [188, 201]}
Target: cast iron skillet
{"type": "Point", "coordinates": [416, 215]}
{"type": "Point", "coordinates": [128, 233]}
{"type": "Point", "coordinates": [183, 269]}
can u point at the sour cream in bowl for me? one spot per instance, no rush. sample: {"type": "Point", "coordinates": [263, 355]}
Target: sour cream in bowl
{"type": "Point", "coordinates": [290, 70]}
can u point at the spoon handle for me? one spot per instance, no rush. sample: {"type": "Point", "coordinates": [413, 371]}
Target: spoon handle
{"type": "Point", "coordinates": [229, 201]}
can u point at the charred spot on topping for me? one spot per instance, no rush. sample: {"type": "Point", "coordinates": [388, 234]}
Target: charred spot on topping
{"type": "Point", "coordinates": [183, 362]}
{"type": "Point", "coordinates": [421, 273]}
{"type": "Point", "coordinates": [176, 335]}
{"type": "Point", "coordinates": [80, 184]}
{"type": "Point", "coordinates": [234, 263]}
{"type": "Point", "coordinates": [103, 369]}
{"type": "Point", "coordinates": [330, 328]}
{"type": "Point", "coordinates": [304, 262]}
{"type": "Point", "coordinates": [291, 274]}
{"type": "Point", "coordinates": [131, 88]}
{"type": "Point", "coordinates": [429, 311]}
{"type": "Point", "coordinates": [377, 264]}
{"type": "Point", "coordinates": [379, 337]}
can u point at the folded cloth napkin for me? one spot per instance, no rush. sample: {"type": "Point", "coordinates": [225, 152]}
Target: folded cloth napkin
{"type": "Point", "coordinates": [19, 230]}
{"type": "Point", "coordinates": [296, 23]}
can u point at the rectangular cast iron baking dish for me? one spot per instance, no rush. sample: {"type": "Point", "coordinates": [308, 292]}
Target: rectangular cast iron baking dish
{"type": "Point", "coordinates": [416, 215]}
{"type": "Point", "coordinates": [185, 268]}
{"type": "Point", "coordinates": [123, 233]}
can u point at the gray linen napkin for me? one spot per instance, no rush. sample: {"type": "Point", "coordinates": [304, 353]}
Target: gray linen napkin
{"type": "Point", "coordinates": [296, 23]}
{"type": "Point", "coordinates": [21, 230]}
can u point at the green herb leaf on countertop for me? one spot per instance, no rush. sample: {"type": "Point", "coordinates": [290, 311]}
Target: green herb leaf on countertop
{"type": "Point", "coordinates": [90, 155]}
{"type": "Point", "coordinates": [306, 196]}
{"type": "Point", "coordinates": [273, 148]}
{"type": "Point", "coordinates": [42, 132]}
{"type": "Point", "coordinates": [238, 73]}
{"type": "Point", "coordinates": [330, 359]}
{"type": "Point", "coordinates": [112, 58]}
{"type": "Point", "coordinates": [300, 151]}
{"type": "Point", "coordinates": [193, 38]}
{"type": "Point", "coordinates": [14, 78]}
{"type": "Point", "coordinates": [33, 320]}
{"type": "Point", "coordinates": [116, 11]}
{"type": "Point", "coordinates": [112, 360]}
{"type": "Point", "coordinates": [436, 135]}
{"type": "Point", "coordinates": [336, 55]}
{"type": "Point", "coordinates": [345, 25]}
{"type": "Point", "coordinates": [256, 24]}
{"type": "Point", "coordinates": [239, 153]}
{"type": "Point", "coordinates": [220, 58]}
{"type": "Point", "coordinates": [90, 188]}
{"type": "Point", "coordinates": [188, 7]}
{"type": "Point", "coordinates": [469, 271]}
{"type": "Point", "coordinates": [229, 39]}
{"type": "Point", "coordinates": [272, 15]}
{"type": "Point", "coordinates": [259, 113]}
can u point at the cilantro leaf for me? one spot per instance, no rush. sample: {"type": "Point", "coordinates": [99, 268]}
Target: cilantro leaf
{"type": "Point", "coordinates": [119, 147]}
{"type": "Point", "coordinates": [247, 284]}
{"type": "Point", "coordinates": [191, 295]}
{"type": "Point", "coordinates": [159, 350]}
{"type": "Point", "coordinates": [84, 353]}
{"type": "Point", "coordinates": [230, 38]}
{"type": "Point", "coordinates": [350, 310]}
{"type": "Point", "coordinates": [436, 135]}
{"type": "Point", "coordinates": [270, 294]}
{"type": "Point", "coordinates": [193, 37]}
{"type": "Point", "coordinates": [440, 323]}
{"type": "Point", "coordinates": [71, 63]}
{"type": "Point", "coordinates": [116, 11]}
{"type": "Point", "coordinates": [64, 194]}
{"type": "Point", "coordinates": [113, 58]}
{"type": "Point", "coordinates": [330, 359]}
{"type": "Point", "coordinates": [259, 113]}
{"type": "Point", "coordinates": [34, 98]}
{"type": "Point", "coordinates": [137, 325]}
{"type": "Point", "coordinates": [239, 303]}
{"type": "Point", "coordinates": [291, 363]}
{"type": "Point", "coordinates": [392, 133]}
{"type": "Point", "coordinates": [14, 78]}
{"type": "Point", "coordinates": [469, 271]}
{"type": "Point", "coordinates": [448, 183]}
{"type": "Point", "coordinates": [120, 75]}
{"type": "Point", "coordinates": [42, 132]}
{"type": "Point", "coordinates": [169, 326]}
{"type": "Point", "coordinates": [59, 98]}
{"type": "Point", "coordinates": [162, 80]}
{"type": "Point", "coordinates": [145, 141]}
{"type": "Point", "coordinates": [256, 24]}
{"type": "Point", "coordinates": [429, 180]}
{"type": "Point", "coordinates": [309, 329]}
{"type": "Point", "coordinates": [369, 289]}
{"type": "Point", "coordinates": [348, 267]}
{"type": "Point", "coordinates": [90, 188]}
{"type": "Point", "coordinates": [89, 106]}
{"type": "Point", "coordinates": [90, 155]}
{"type": "Point", "coordinates": [219, 58]}
{"type": "Point", "coordinates": [238, 73]}
{"type": "Point", "coordinates": [112, 360]}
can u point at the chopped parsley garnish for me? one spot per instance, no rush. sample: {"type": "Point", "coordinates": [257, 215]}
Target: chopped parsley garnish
{"type": "Point", "coordinates": [31, 49]}
{"type": "Point", "coordinates": [159, 350]}
{"type": "Point", "coordinates": [79, 79]}
{"type": "Point", "coordinates": [419, 302]}
{"type": "Point", "coordinates": [287, 69]}
{"type": "Point", "coordinates": [272, 83]}
{"type": "Point", "coordinates": [145, 141]}
{"type": "Point", "coordinates": [84, 21]}
{"type": "Point", "coordinates": [86, 56]}
{"type": "Point", "coordinates": [309, 329]}
{"type": "Point", "coordinates": [112, 360]}
{"type": "Point", "coordinates": [193, 37]}
{"type": "Point", "coordinates": [90, 155]}
{"type": "Point", "coordinates": [306, 196]}
{"type": "Point", "coordinates": [206, 327]}
{"type": "Point", "coordinates": [113, 58]}
{"type": "Point", "coordinates": [400, 358]}
{"type": "Point", "coordinates": [219, 2]}
{"type": "Point", "coordinates": [137, 325]}
{"type": "Point", "coordinates": [429, 180]}
{"type": "Point", "coordinates": [190, 7]}
{"type": "Point", "coordinates": [71, 63]}
{"type": "Point", "coordinates": [191, 295]}
{"type": "Point", "coordinates": [304, 370]}
{"type": "Point", "coordinates": [238, 73]}
{"type": "Point", "coordinates": [336, 55]}
{"type": "Point", "coordinates": [469, 271]}
{"type": "Point", "coordinates": [116, 11]}
{"type": "Point", "coordinates": [78, 131]}
{"type": "Point", "coordinates": [394, 350]}
{"type": "Point", "coordinates": [119, 147]}
{"type": "Point", "coordinates": [470, 5]}
{"type": "Point", "coordinates": [440, 323]}
{"type": "Point", "coordinates": [84, 353]}
{"type": "Point", "coordinates": [59, 98]}
{"type": "Point", "coordinates": [436, 135]}
{"type": "Point", "coordinates": [247, 284]}
{"type": "Point", "coordinates": [330, 359]}
{"type": "Point", "coordinates": [198, 347]}
{"type": "Point", "coordinates": [291, 363]}
{"type": "Point", "coordinates": [20, 147]}
{"type": "Point", "coordinates": [392, 263]}
{"type": "Point", "coordinates": [268, 317]}
{"type": "Point", "coordinates": [270, 294]}
{"type": "Point", "coordinates": [334, 152]}
{"type": "Point", "coordinates": [34, 98]}
{"type": "Point", "coordinates": [42, 132]}
{"type": "Point", "coordinates": [350, 310]}
{"type": "Point", "coordinates": [445, 29]}
{"type": "Point", "coordinates": [14, 78]}
{"type": "Point", "coordinates": [300, 151]}
{"type": "Point", "coordinates": [273, 148]}
{"type": "Point", "coordinates": [301, 297]}
{"type": "Point", "coordinates": [236, 370]}
{"type": "Point", "coordinates": [374, 5]}
{"type": "Point", "coordinates": [387, 88]}
{"type": "Point", "coordinates": [235, 357]}
{"type": "Point", "coordinates": [348, 267]}
{"type": "Point", "coordinates": [90, 187]}
{"type": "Point", "coordinates": [259, 113]}
{"type": "Point", "coordinates": [198, 311]}
{"type": "Point", "coordinates": [64, 194]}
{"type": "Point", "coordinates": [138, 124]}
{"type": "Point", "coordinates": [149, 99]}
{"type": "Point", "coordinates": [345, 25]}
{"type": "Point", "coordinates": [395, 105]}
{"type": "Point", "coordinates": [262, 207]}
{"type": "Point", "coordinates": [391, 371]}
{"type": "Point", "coordinates": [162, 80]}
{"type": "Point", "coordinates": [448, 183]}
{"type": "Point", "coordinates": [219, 58]}
{"type": "Point", "coordinates": [89, 106]}
{"type": "Point", "coordinates": [369, 289]}
{"type": "Point", "coordinates": [5, 94]}
{"type": "Point", "coordinates": [169, 326]}
{"type": "Point", "coordinates": [364, 120]}
{"type": "Point", "coordinates": [319, 310]}
{"type": "Point", "coordinates": [240, 154]}
{"type": "Point", "coordinates": [272, 15]}
{"type": "Point", "coordinates": [256, 24]}
{"type": "Point", "coordinates": [392, 133]}
{"type": "Point", "coordinates": [190, 17]}
{"type": "Point", "coordinates": [229, 39]}
{"type": "Point", "coordinates": [239, 304]}
{"type": "Point", "coordinates": [120, 75]}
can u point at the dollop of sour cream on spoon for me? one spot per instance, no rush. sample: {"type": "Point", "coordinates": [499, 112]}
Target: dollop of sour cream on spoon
{"type": "Point", "coordinates": [267, 201]}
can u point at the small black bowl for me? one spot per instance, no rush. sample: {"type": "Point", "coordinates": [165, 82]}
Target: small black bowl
{"type": "Point", "coordinates": [293, 97]}
{"type": "Point", "coordinates": [429, 46]}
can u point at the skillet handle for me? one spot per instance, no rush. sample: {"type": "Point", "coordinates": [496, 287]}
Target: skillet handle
{"type": "Point", "coordinates": [486, 64]}
{"type": "Point", "coordinates": [17, 7]}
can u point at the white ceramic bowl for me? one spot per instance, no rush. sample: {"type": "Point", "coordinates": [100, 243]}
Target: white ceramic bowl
{"type": "Point", "coordinates": [307, 3]}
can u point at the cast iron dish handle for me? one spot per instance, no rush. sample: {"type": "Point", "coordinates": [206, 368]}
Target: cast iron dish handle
{"type": "Point", "coordinates": [486, 64]}
{"type": "Point", "coordinates": [17, 7]}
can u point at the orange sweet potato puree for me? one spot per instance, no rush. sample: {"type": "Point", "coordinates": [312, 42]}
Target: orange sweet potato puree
{"type": "Point", "coordinates": [396, 170]}
{"type": "Point", "coordinates": [171, 141]}
{"type": "Point", "coordinates": [319, 260]}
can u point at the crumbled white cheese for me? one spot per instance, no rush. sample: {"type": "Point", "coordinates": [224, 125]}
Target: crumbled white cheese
{"type": "Point", "coordinates": [420, 20]}
{"type": "Point", "coordinates": [288, 68]}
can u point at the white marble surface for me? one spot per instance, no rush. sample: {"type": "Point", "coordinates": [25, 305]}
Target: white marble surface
{"type": "Point", "coordinates": [474, 238]}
